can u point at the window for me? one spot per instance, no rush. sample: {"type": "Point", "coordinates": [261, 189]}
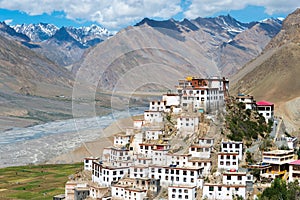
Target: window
{"type": "Point", "coordinates": [219, 188]}
{"type": "Point", "coordinates": [239, 178]}
{"type": "Point", "coordinates": [185, 191]}
{"type": "Point", "coordinates": [228, 177]}
{"type": "Point", "coordinates": [211, 188]}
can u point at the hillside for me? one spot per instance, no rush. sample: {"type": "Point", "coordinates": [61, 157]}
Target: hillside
{"type": "Point", "coordinates": [152, 49]}
{"type": "Point", "coordinates": [29, 84]}
{"type": "Point", "coordinates": [21, 69]}
{"type": "Point", "coordinates": [274, 76]}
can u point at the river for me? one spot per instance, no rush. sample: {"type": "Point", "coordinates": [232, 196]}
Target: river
{"type": "Point", "coordinates": [39, 143]}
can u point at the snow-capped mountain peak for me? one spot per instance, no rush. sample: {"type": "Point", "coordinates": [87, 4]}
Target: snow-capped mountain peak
{"type": "Point", "coordinates": [87, 36]}
{"type": "Point", "coordinates": [37, 32]}
{"type": "Point", "coordinates": [95, 30]}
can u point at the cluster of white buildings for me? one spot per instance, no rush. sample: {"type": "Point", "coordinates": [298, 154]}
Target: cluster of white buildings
{"type": "Point", "coordinates": [143, 163]}
{"type": "Point", "coordinates": [234, 183]}
{"type": "Point", "coordinates": [142, 160]}
{"type": "Point", "coordinates": [202, 94]}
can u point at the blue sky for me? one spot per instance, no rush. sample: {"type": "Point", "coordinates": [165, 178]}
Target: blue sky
{"type": "Point", "coordinates": [117, 14]}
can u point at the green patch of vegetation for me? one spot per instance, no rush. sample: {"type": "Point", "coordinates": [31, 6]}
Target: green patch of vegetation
{"type": "Point", "coordinates": [280, 190]}
{"type": "Point", "coordinates": [244, 123]}
{"type": "Point", "coordinates": [35, 181]}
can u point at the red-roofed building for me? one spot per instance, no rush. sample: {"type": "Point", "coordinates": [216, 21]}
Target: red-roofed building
{"type": "Point", "coordinates": [294, 170]}
{"type": "Point", "coordinates": [266, 109]}
{"type": "Point", "coordinates": [264, 103]}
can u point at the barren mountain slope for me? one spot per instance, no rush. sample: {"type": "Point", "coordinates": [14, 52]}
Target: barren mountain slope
{"type": "Point", "coordinates": [29, 86]}
{"type": "Point", "coordinates": [163, 51]}
{"type": "Point", "coordinates": [246, 46]}
{"type": "Point", "coordinates": [274, 76]}
{"type": "Point", "coordinates": [25, 67]}
{"type": "Point", "coordinates": [141, 55]}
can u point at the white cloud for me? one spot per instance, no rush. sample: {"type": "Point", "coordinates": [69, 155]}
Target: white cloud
{"type": "Point", "coordinates": [113, 14]}
{"type": "Point", "coordinates": [209, 7]}
{"type": "Point", "coordinates": [8, 21]}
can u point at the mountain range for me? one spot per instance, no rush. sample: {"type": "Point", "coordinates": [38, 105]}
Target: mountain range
{"type": "Point", "coordinates": [64, 45]}
{"type": "Point", "coordinates": [222, 37]}
{"type": "Point", "coordinates": [204, 46]}
{"type": "Point", "coordinates": [152, 54]}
